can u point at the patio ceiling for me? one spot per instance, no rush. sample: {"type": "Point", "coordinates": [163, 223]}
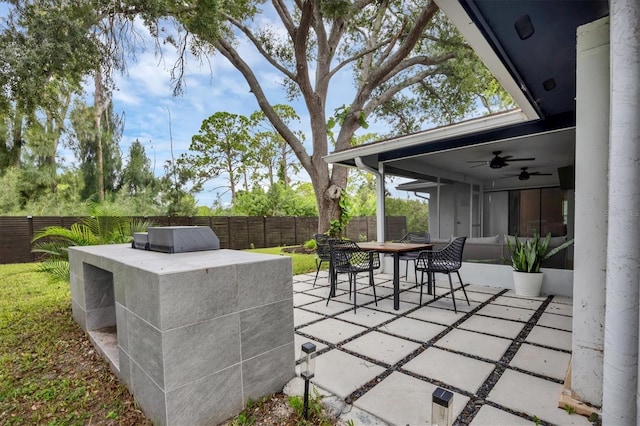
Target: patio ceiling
{"type": "Point", "coordinates": [530, 47]}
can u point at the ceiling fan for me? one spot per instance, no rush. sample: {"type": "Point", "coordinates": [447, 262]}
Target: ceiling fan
{"type": "Point", "coordinates": [525, 175]}
{"type": "Point", "coordinates": [498, 162]}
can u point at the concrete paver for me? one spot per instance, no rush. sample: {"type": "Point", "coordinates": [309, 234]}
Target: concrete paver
{"type": "Point", "coordinates": [518, 302]}
{"type": "Point", "coordinates": [386, 336]}
{"type": "Point", "coordinates": [301, 317]}
{"type": "Point", "coordinates": [341, 373]}
{"type": "Point", "coordinates": [365, 316]}
{"type": "Point", "coordinates": [382, 347]}
{"type": "Point", "coordinates": [506, 312]}
{"type": "Point", "coordinates": [491, 416]}
{"type": "Point", "coordinates": [543, 361]}
{"type": "Point", "coordinates": [334, 307]}
{"type": "Point", "coordinates": [299, 340]}
{"type": "Point", "coordinates": [548, 337]}
{"type": "Point", "coordinates": [461, 371]}
{"type": "Point", "coordinates": [533, 396]}
{"type": "Point", "coordinates": [475, 344]}
{"type": "Point", "coordinates": [332, 331]}
{"type": "Point", "coordinates": [437, 315]}
{"type": "Point", "coordinates": [560, 309]}
{"type": "Point", "coordinates": [495, 326]}
{"type": "Point", "coordinates": [404, 400]}
{"type": "Point", "coordinates": [413, 329]}
{"type": "Point", "coordinates": [556, 321]}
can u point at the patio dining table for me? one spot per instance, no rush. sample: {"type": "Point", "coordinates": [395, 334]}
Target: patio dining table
{"type": "Point", "coordinates": [396, 249]}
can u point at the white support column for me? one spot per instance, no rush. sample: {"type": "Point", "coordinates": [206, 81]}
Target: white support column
{"type": "Point", "coordinates": [620, 384]}
{"type": "Point", "coordinates": [590, 251]}
{"type": "Point", "coordinates": [380, 211]}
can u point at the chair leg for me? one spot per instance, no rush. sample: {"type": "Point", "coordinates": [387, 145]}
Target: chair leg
{"type": "Point", "coordinates": [463, 290]}
{"type": "Point", "coordinates": [372, 284]}
{"type": "Point", "coordinates": [452, 295]}
{"type": "Point", "coordinates": [354, 292]}
{"type": "Point", "coordinates": [318, 265]}
{"type": "Point", "coordinates": [421, 284]}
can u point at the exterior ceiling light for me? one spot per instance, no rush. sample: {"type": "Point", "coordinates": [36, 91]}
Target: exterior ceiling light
{"type": "Point", "coordinates": [524, 27]}
{"type": "Point", "coordinates": [549, 84]}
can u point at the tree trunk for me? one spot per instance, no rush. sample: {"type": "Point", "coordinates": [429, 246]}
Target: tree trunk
{"type": "Point", "coordinates": [98, 102]}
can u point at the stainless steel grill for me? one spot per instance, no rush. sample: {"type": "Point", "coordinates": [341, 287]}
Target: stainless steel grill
{"type": "Point", "coordinates": [176, 239]}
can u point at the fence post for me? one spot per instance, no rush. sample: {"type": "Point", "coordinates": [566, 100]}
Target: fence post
{"type": "Point", "coordinates": [30, 222]}
{"type": "Point", "coordinates": [264, 231]}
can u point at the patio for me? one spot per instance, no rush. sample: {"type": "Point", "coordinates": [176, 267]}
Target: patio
{"type": "Point", "coordinates": [505, 357]}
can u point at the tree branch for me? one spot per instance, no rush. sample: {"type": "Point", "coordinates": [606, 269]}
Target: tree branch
{"type": "Point", "coordinates": [405, 47]}
{"type": "Point", "coordinates": [285, 16]}
{"type": "Point", "coordinates": [232, 55]}
{"type": "Point", "coordinates": [395, 89]}
{"type": "Point", "coordinates": [260, 48]}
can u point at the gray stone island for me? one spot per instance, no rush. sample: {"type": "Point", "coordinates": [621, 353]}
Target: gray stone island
{"type": "Point", "coordinates": [193, 335]}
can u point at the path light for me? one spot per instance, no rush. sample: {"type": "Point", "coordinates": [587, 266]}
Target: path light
{"type": "Point", "coordinates": [307, 371]}
{"type": "Point", "coordinates": [441, 410]}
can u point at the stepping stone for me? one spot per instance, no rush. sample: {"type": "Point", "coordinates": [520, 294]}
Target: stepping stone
{"type": "Point", "coordinates": [332, 331]}
{"type": "Point", "coordinates": [556, 321]}
{"type": "Point", "coordinates": [301, 317]}
{"type": "Point", "coordinates": [548, 337]}
{"type": "Point", "coordinates": [440, 316]}
{"type": "Point", "coordinates": [404, 400]}
{"type": "Point", "coordinates": [483, 289]}
{"type": "Point", "coordinates": [506, 312]}
{"type": "Point", "coordinates": [546, 362]}
{"type": "Point", "coordinates": [518, 302]}
{"type": "Point", "coordinates": [334, 307]}
{"type": "Point", "coordinates": [560, 309]}
{"type": "Point", "coordinates": [456, 370]}
{"type": "Point", "coordinates": [534, 397]}
{"type": "Point", "coordinates": [303, 299]}
{"type": "Point", "coordinates": [300, 340]}
{"type": "Point", "coordinates": [413, 329]}
{"type": "Point", "coordinates": [475, 344]}
{"type": "Point", "coordinates": [341, 373]}
{"type": "Point", "coordinates": [490, 416]}
{"type": "Point", "coordinates": [495, 326]}
{"type": "Point", "coordinates": [382, 347]}
{"type": "Point", "coordinates": [366, 317]}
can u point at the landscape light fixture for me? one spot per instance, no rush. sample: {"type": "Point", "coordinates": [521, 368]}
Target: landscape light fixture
{"type": "Point", "coordinates": [307, 371]}
{"type": "Point", "coordinates": [441, 407]}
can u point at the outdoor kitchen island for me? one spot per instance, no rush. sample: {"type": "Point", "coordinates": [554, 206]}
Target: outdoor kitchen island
{"type": "Point", "coordinates": [198, 333]}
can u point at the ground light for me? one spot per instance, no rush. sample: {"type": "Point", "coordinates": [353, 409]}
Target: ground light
{"type": "Point", "coordinates": [307, 371]}
{"type": "Point", "coordinates": [441, 412]}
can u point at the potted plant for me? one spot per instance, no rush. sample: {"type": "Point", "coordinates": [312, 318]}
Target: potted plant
{"type": "Point", "coordinates": [526, 257]}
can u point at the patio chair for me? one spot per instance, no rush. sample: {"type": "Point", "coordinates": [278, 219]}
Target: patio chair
{"type": "Point", "coordinates": [323, 253]}
{"type": "Point", "coordinates": [413, 237]}
{"type": "Point", "coordinates": [445, 261]}
{"type": "Point", "coordinates": [348, 258]}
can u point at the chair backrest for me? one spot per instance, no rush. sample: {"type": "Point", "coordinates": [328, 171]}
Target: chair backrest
{"type": "Point", "coordinates": [341, 251]}
{"type": "Point", "coordinates": [453, 251]}
{"type": "Point", "coordinates": [416, 237]}
{"type": "Point", "coordinates": [347, 255]}
{"type": "Point", "coordinates": [322, 246]}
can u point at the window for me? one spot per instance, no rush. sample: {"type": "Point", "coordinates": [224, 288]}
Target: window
{"type": "Point", "coordinates": [543, 209]}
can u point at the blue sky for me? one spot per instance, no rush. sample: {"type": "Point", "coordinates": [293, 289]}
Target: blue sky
{"type": "Point", "coordinates": [145, 98]}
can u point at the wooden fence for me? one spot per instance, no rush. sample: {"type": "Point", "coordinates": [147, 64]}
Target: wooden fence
{"type": "Point", "coordinates": [16, 232]}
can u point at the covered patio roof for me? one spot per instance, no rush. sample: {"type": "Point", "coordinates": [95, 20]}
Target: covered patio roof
{"type": "Point", "coordinates": [538, 72]}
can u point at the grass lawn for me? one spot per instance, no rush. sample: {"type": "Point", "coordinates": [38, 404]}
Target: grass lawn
{"type": "Point", "coordinates": [302, 263]}
{"type": "Point", "coordinates": [49, 372]}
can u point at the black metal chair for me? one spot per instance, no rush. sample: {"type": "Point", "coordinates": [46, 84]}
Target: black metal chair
{"type": "Point", "coordinates": [413, 237]}
{"type": "Point", "coordinates": [323, 253]}
{"type": "Point", "coordinates": [348, 258]}
{"type": "Point", "coordinates": [445, 261]}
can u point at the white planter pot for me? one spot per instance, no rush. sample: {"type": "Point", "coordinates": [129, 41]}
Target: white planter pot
{"type": "Point", "coordinates": [527, 283]}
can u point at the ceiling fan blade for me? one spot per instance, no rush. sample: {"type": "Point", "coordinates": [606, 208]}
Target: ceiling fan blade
{"type": "Point", "coordinates": [540, 174]}
{"type": "Point", "coordinates": [484, 163]}
{"type": "Point", "coordinates": [520, 159]}
{"type": "Point", "coordinates": [477, 161]}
